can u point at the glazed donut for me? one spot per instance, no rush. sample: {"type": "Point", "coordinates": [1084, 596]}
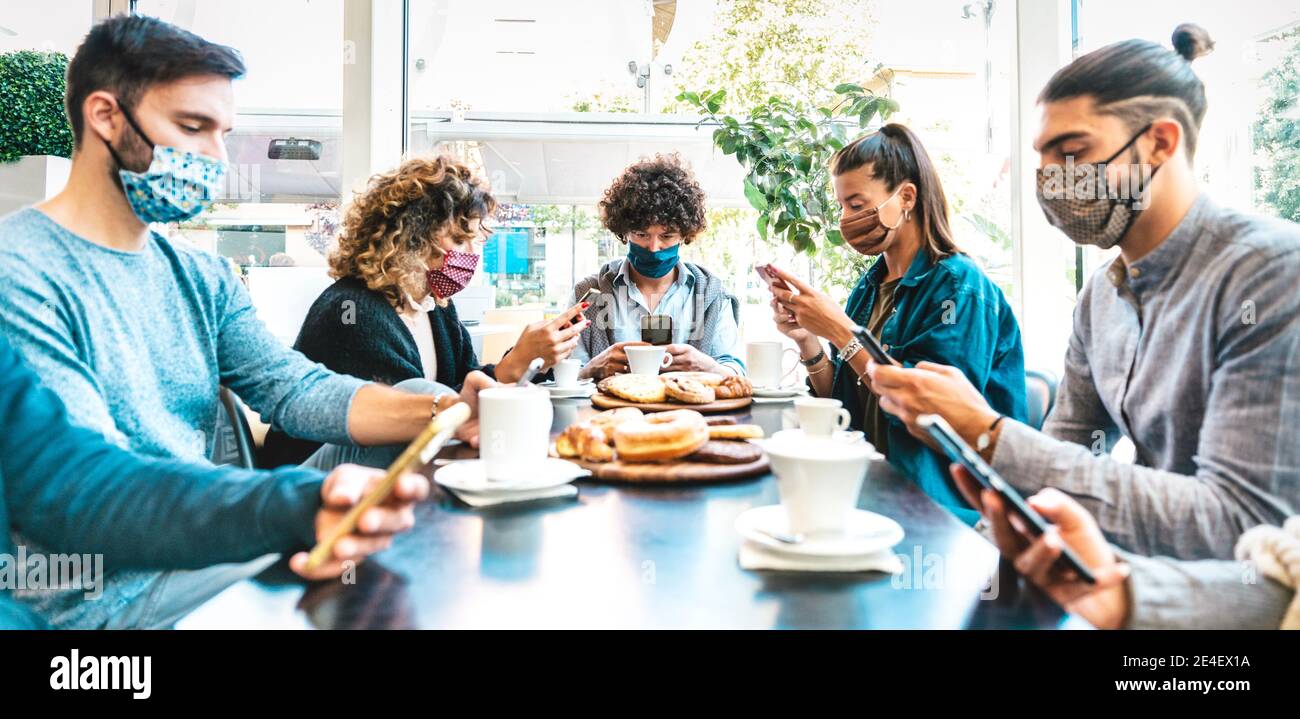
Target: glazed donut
{"type": "Point", "coordinates": [687, 391]}
{"type": "Point", "coordinates": [661, 436]}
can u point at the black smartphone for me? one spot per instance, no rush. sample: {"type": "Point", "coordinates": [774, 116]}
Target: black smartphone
{"type": "Point", "coordinates": [872, 346]}
{"type": "Point", "coordinates": [960, 452]}
{"type": "Point", "coordinates": [657, 329]}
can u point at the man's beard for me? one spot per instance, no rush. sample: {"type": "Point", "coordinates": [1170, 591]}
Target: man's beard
{"type": "Point", "coordinates": [135, 153]}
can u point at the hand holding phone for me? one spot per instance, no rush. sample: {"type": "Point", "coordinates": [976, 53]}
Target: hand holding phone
{"type": "Point", "coordinates": [873, 347]}
{"type": "Point", "coordinates": [961, 453]}
{"type": "Point", "coordinates": [766, 274]}
{"type": "Point", "coordinates": [587, 297]}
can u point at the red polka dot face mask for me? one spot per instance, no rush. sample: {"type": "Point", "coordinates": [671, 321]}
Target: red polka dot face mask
{"type": "Point", "coordinates": [456, 272]}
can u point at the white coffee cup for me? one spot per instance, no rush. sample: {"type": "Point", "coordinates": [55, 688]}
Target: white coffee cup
{"type": "Point", "coordinates": [647, 359]}
{"type": "Point", "coordinates": [514, 430]}
{"type": "Point", "coordinates": [763, 363]}
{"type": "Point", "coordinates": [566, 373]}
{"type": "Point", "coordinates": [819, 480]}
{"type": "Point", "coordinates": [820, 416]}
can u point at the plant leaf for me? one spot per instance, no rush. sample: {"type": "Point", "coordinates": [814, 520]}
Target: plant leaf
{"type": "Point", "coordinates": [755, 196]}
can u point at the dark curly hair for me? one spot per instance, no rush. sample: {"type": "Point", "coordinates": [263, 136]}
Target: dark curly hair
{"type": "Point", "coordinates": [392, 227]}
{"type": "Point", "coordinates": [658, 191]}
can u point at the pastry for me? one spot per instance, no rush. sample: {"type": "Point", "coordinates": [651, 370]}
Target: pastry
{"type": "Point", "coordinates": [736, 431]}
{"type": "Point", "coordinates": [661, 436]}
{"type": "Point", "coordinates": [712, 379]}
{"type": "Point", "coordinates": [718, 419]}
{"type": "Point", "coordinates": [687, 390]}
{"type": "Point", "coordinates": [733, 387]}
{"type": "Point", "coordinates": [585, 440]}
{"type": "Point", "coordinates": [634, 388]}
{"type": "Point", "coordinates": [726, 452]}
{"type": "Point", "coordinates": [611, 418]}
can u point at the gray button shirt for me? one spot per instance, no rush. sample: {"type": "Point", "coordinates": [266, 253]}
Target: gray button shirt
{"type": "Point", "coordinates": [1193, 353]}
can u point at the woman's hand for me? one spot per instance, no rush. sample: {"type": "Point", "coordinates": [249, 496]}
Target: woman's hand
{"type": "Point", "coordinates": [610, 362]}
{"type": "Point", "coordinates": [812, 311]}
{"type": "Point", "coordinates": [552, 340]}
{"type": "Point", "coordinates": [1107, 603]}
{"type": "Point", "coordinates": [689, 359]}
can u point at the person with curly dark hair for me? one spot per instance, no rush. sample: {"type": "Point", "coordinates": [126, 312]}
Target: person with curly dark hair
{"type": "Point", "coordinates": [655, 207]}
{"type": "Point", "coordinates": [408, 243]}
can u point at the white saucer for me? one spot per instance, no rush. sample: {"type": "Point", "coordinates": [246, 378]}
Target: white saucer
{"type": "Point", "coordinates": [584, 388]}
{"type": "Point", "coordinates": [780, 392]}
{"type": "Point", "coordinates": [469, 476]}
{"type": "Point", "coordinates": [868, 533]}
{"type": "Point", "coordinates": [850, 436]}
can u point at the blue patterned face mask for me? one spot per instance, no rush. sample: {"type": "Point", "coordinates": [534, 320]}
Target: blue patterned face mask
{"type": "Point", "coordinates": [177, 186]}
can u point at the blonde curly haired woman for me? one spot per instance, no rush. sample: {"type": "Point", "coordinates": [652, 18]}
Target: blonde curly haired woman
{"type": "Point", "coordinates": [408, 243]}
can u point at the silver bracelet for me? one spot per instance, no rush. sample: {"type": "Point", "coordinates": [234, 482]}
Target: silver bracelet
{"type": "Point", "coordinates": [850, 349]}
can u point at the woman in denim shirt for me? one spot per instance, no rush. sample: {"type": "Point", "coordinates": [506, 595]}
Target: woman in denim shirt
{"type": "Point", "coordinates": [925, 301]}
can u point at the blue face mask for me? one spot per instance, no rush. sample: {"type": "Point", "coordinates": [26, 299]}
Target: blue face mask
{"type": "Point", "coordinates": [177, 186]}
{"type": "Point", "coordinates": [652, 264]}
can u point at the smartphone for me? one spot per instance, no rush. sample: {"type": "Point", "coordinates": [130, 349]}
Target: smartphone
{"type": "Point", "coordinates": [961, 453]}
{"type": "Point", "coordinates": [872, 346]}
{"type": "Point", "coordinates": [657, 329]}
{"type": "Point", "coordinates": [587, 296]}
{"type": "Point", "coordinates": [771, 279]}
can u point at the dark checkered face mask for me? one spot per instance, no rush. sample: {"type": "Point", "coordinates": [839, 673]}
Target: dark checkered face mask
{"type": "Point", "coordinates": [1079, 200]}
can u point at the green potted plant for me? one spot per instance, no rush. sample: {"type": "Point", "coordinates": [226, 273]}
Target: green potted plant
{"type": "Point", "coordinates": [35, 140]}
{"type": "Point", "coordinates": [785, 147]}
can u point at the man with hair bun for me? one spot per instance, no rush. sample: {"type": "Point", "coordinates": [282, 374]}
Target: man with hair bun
{"type": "Point", "coordinates": [1187, 342]}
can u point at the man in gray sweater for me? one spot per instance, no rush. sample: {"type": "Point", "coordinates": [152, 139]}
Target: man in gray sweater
{"type": "Point", "coordinates": [1187, 342]}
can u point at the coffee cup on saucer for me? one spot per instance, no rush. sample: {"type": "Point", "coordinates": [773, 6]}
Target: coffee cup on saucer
{"type": "Point", "coordinates": [566, 373]}
{"type": "Point", "coordinates": [514, 430]}
{"type": "Point", "coordinates": [819, 480]}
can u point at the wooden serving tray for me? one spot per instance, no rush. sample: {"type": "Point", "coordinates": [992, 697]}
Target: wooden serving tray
{"type": "Point", "coordinates": [600, 400]}
{"type": "Point", "coordinates": [672, 472]}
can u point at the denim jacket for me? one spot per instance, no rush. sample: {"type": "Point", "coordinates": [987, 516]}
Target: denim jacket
{"type": "Point", "coordinates": [951, 313]}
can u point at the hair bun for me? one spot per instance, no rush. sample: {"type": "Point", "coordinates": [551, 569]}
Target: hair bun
{"type": "Point", "coordinates": [1192, 41]}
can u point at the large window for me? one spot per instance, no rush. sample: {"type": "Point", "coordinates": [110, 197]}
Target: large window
{"type": "Point", "coordinates": [282, 194]}
{"type": "Point", "coordinates": [53, 26]}
{"type": "Point", "coordinates": [1246, 154]}
{"type": "Point", "coordinates": [552, 100]}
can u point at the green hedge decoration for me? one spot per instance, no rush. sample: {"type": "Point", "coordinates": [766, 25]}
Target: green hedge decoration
{"type": "Point", "coordinates": [32, 121]}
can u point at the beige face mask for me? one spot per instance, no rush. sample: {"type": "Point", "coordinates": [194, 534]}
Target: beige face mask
{"type": "Point", "coordinates": [863, 229]}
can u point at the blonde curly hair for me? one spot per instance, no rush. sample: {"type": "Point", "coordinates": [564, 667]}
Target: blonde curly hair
{"type": "Point", "coordinates": [393, 228]}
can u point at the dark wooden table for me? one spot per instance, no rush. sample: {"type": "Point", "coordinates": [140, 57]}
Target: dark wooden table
{"type": "Point", "coordinates": [644, 557]}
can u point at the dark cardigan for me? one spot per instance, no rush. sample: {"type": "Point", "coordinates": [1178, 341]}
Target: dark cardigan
{"type": "Point", "coordinates": [368, 339]}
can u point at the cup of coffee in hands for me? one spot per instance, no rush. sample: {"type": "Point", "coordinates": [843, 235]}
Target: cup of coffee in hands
{"type": "Point", "coordinates": [647, 359]}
